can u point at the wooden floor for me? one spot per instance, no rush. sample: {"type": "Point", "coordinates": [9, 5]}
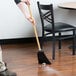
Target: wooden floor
{"type": "Point", "coordinates": [22, 59]}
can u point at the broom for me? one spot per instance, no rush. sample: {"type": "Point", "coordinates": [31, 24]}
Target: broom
{"type": "Point", "coordinates": [40, 54]}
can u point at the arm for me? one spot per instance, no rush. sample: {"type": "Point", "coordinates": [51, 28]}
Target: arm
{"type": "Point", "coordinates": [21, 4]}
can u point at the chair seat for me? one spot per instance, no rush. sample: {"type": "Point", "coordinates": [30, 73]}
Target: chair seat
{"type": "Point", "coordinates": [59, 27]}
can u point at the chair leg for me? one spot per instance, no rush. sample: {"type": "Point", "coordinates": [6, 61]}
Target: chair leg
{"type": "Point", "coordinates": [59, 41]}
{"type": "Point", "coordinates": [53, 49]}
{"type": "Point", "coordinates": [73, 42]}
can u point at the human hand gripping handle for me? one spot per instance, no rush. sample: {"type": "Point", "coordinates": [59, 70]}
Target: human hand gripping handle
{"type": "Point", "coordinates": [31, 16]}
{"type": "Point", "coordinates": [34, 26]}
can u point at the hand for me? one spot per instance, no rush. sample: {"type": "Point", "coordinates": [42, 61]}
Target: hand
{"type": "Point", "coordinates": [31, 19]}
{"type": "Point", "coordinates": [26, 1]}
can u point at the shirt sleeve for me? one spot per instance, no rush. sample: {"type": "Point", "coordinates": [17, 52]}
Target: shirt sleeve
{"type": "Point", "coordinates": [17, 1]}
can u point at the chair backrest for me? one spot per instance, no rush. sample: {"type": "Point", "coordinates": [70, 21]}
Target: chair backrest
{"type": "Point", "coordinates": [46, 14]}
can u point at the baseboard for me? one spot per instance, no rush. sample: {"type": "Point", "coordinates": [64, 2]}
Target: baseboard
{"type": "Point", "coordinates": [22, 40]}
{"type": "Point", "coordinates": [17, 40]}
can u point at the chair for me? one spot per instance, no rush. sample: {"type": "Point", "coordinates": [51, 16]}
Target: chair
{"type": "Point", "coordinates": [50, 27]}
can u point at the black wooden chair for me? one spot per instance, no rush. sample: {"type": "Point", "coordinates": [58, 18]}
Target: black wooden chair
{"type": "Point", "coordinates": [50, 27]}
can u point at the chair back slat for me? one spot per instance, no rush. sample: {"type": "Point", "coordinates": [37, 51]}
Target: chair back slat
{"type": "Point", "coordinates": [46, 14]}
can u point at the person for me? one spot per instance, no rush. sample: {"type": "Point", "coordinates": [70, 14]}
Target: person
{"type": "Point", "coordinates": [3, 68]}
{"type": "Point", "coordinates": [20, 4]}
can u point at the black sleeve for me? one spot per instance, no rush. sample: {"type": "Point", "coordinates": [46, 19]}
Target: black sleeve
{"type": "Point", "coordinates": [17, 1]}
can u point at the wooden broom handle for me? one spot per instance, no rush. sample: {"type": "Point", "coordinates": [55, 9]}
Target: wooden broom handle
{"type": "Point", "coordinates": [35, 31]}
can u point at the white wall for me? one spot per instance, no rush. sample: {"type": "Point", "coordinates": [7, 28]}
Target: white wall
{"type": "Point", "coordinates": [13, 24]}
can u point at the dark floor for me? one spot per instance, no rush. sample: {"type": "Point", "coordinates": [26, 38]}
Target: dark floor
{"type": "Point", "coordinates": [22, 59]}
